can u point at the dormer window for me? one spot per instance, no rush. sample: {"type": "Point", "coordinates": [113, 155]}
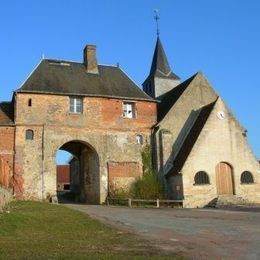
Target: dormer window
{"type": "Point", "coordinates": [76, 105]}
{"type": "Point", "coordinates": [129, 110]}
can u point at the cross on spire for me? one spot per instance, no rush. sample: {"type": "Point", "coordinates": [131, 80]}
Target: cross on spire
{"type": "Point", "coordinates": [156, 18]}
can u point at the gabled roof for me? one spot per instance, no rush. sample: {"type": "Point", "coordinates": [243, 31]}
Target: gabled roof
{"type": "Point", "coordinates": [171, 97]}
{"type": "Point", "coordinates": [6, 113]}
{"type": "Point", "coordinates": [160, 66]}
{"type": "Point", "coordinates": [71, 78]}
{"type": "Point", "coordinates": [188, 136]}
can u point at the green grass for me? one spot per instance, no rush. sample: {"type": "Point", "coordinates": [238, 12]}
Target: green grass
{"type": "Point", "coordinates": [34, 230]}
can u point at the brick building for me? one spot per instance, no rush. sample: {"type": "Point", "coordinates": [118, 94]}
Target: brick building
{"type": "Point", "coordinates": [93, 111]}
{"type": "Point", "coordinates": [100, 116]}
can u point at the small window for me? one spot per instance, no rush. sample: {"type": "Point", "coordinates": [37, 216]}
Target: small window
{"type": "Point", "coordinates": [128, 110]}
{"type": "Point", "coordinates": [29, 134]}
{"type": "Point", "coordinates": [139, 139]}
{"type": "Point", "coordinates": [29, 102]}
{"type": "Point", "coordinates": [201, 178]}
{"type": "Point", "coordinates": [246, 177]}
{"type": "Point", "coordinates": [76, 105]}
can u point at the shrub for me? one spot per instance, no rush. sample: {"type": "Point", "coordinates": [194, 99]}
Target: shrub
{"type": "Point", "coordinates": [149, 186]}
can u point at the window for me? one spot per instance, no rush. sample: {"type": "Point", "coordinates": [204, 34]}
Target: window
{"type": "Point", "coordinates": [201, 177]}
{"type": "Point", "coordinates": [139, 139]}
{"type": "Point", "coordinates": [76, 105]}
{"type": "Point", "coordinates": [29, 134]}
{"type": "Point", "coordinates": [128, 110]}
{"type": "Point", "coordinates": [246, 177]}
{"type": "Point", "coordinates": [29, 102]}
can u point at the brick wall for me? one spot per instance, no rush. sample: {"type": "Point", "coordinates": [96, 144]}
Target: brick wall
{"type": "Point", "coordinates": [122, 174]}
{"type": "Point", "coordinates": [101, 128]}
{"type": "Point", "coordinates": [6, 155]}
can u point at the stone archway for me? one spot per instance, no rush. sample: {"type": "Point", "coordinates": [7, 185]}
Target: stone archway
{"type": "Point", "coordinates": [84, 171]}
{"type": "Point", "coordinates": [224, 179]}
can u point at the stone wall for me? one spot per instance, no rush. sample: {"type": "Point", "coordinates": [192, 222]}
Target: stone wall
{"type": "Point", "coordinates": [221, 140]}
{"type": "Point", "coordinates": [198, 94]}
{"type": "Point", "coordinates": [101, 127]}
{"type": "Point", "coordinates": [5, 197]}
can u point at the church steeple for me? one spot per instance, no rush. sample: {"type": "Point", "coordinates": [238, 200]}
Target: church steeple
{"type": "Point", "coordinates": [161, 79]}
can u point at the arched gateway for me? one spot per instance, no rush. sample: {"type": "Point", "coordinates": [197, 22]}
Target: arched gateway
{"type": "Point", "coordinates": [84, 172]}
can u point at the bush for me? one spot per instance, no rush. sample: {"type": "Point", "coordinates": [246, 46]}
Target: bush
{"type": "Point", "coordinates": [148, 187]}
{"type": "Point", "coordinates": [118, 193]}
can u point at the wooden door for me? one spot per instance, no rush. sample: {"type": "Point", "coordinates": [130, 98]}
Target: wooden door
{"type": "Point", "coordinates": [224, 179]}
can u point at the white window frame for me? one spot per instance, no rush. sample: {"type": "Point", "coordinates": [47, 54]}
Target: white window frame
{"type": "Point", "coordinates": [129, 110]}
{"type": "Point", "coordinates": [139, 139]}
{"type": "Point", "coordinates": [75, 105]}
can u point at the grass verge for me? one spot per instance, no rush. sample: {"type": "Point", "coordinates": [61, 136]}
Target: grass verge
{"type": "Point", "coordinates": [35, 230]}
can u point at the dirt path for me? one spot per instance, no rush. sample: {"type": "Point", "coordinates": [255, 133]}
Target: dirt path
{"type": "Point", "coordinates": [195, 233]}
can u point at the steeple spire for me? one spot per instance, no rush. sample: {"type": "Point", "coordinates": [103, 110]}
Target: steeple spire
{"type": "Point", "coordinates": [160, 65]}
{"type": "Point", "coordinates": [160, 69]}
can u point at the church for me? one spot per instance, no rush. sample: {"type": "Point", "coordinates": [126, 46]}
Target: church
{"type": "Point", "coordinates": [98, 114]}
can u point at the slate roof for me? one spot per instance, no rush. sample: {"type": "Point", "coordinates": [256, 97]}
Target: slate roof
{"type": "Point", "coordinates": [160, 66]}
{"type": "Point", "coordinates": [71, 78]}
{"type": "Point", "coordinates": [188, 136]}
{"type": "Point", "coordinates": [6, 113]}
{"type": "Point", "coordinates": [171, 97]}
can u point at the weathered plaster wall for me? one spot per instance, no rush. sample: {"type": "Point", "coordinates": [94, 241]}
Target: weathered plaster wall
{"type": "Point", "coordinates": [163, 85]}
{"type": "Point", "coordinates": [197, 95]}
{"type": "Point", "coordinates": [220, 141]}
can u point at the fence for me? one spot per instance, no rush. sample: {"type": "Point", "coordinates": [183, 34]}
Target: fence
{"type": "Point", "coordinates": [136, 202]}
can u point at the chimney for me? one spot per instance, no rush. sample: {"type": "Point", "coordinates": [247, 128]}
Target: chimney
{"type": "Point", "coordinates": [90, 60]}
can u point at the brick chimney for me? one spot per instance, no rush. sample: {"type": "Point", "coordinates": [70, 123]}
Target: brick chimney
{"type": "Point", "coordinates": [90, 59]}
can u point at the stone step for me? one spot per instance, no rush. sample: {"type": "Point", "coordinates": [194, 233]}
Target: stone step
{"type": "Point", "coordinates": [229, 200]}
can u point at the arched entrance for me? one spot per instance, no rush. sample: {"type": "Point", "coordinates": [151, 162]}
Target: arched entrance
{"type": "Point", "coordinates": [224, 179]}
{"type": "Point", "coordinates": [83, 171]}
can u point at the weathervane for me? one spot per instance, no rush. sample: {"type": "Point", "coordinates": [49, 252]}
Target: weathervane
{"type": "Point", "coordinates": [156, 18]}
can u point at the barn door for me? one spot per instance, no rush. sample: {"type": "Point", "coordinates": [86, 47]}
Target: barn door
{"type": "Point", "coordinates": [224, 179]}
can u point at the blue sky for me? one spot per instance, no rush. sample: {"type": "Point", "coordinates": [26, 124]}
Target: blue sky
{"type": "Point", "coordinates": [220, 38]}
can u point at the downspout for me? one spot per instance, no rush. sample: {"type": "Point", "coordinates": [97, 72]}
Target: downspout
{"type": "Point", "coordinates": [42, 172]}
{"type": "Point", "coordinates": [14, 144]}
{"type": "Point", "coordinates": [14, 155]}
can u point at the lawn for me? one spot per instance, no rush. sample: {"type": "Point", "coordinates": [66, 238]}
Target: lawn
{"type": "Point", "coordinates": [35, 230]}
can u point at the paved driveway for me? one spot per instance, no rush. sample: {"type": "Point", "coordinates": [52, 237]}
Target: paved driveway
{"type": "Point", "coordinates": [195, 233]}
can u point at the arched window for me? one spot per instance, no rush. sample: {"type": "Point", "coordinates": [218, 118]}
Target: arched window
{"type": "Point", "coordinates": [201, 177]}
{"type": "Point", "coordinates": [246, 177]}
{"type": "Point", "coordinates": [29, 134]}
{"type": "Point", "coordinates": [139, 139]}
{"type": "Point", "coordinates": [29, 102]}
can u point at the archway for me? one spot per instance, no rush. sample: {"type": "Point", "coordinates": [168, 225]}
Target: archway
{"type": "Point", "coordinates": [84, 178]}
{"type": "Point", "coordinates": [224, 179]}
